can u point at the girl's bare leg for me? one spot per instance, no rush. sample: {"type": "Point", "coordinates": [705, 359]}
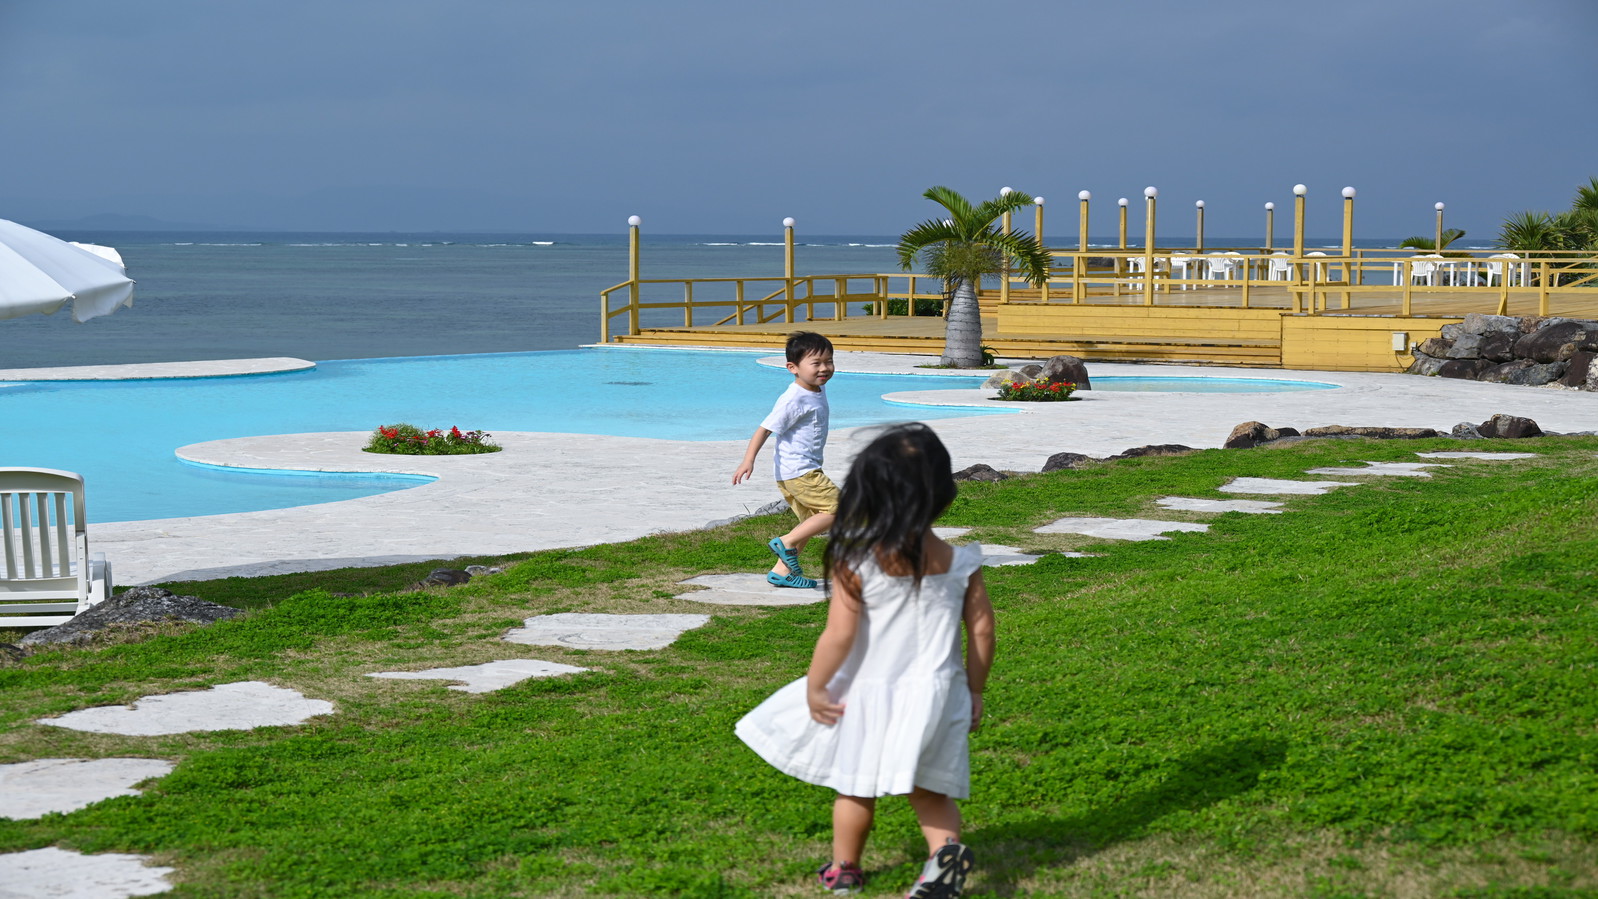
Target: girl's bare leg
{"type": "Point", "coordinates": [938, 816]}
{"type": "Point", "coordinates": [851, 823]}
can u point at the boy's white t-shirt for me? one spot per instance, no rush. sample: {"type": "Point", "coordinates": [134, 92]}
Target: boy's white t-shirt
{"type": "Point", "coordinates": [799, 423]}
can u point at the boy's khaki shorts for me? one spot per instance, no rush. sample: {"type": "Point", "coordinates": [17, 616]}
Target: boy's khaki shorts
{"type": "Point", "coordinates": [812, 493]}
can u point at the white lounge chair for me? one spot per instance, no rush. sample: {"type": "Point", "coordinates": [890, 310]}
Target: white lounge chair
{"type": "Point", "coordinates": [48, 574]}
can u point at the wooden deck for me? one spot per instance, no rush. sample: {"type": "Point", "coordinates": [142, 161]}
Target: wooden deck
{"type": "Point", "coordinates": [1208, 325]}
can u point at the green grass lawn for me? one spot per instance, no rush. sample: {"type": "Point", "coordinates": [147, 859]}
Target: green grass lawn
{"type": "Point", "coordinates": [1389, 690]}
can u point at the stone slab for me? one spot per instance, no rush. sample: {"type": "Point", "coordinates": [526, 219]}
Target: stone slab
{"type": "Point", "coordinates": [1192, 504]}
{"type": "Point", "coordinates": [1490, 457]}
{"type": "Point", "coordinates": [487, 677]}
{"type": "Point", "coordinates": [144, 371]}
{"type": "Point", "coordinates": [42, 786]}
{"type": "Point", "coordinates": [1119, 528]}
{"type": "Point", "coordinates": [745, 589]}
{"type": "Point", "coordinates": [1384, 469]}
{"type": "Point", "coordinates": [237, 706]}
{"type": "Point", "coordinates": [578, 630]}
{"type": "Point", "coordinates": [60, 874]}
{"type": "Point", "coordinates": [1278, 487]}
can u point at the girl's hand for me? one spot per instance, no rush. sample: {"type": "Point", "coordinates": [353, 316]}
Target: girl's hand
{"type": "Point", "coordinates": [822, 709]}
{"type": "Point", "coordinates": [976, 711]}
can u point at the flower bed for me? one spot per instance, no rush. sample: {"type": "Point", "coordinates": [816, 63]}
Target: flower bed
{"type": "Point", "coordinates": [409, 440]}
{"type": "Point", "coordinates": [1036, 391]}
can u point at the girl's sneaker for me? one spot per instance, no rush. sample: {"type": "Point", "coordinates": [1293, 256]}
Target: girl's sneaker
{"type": "Point", "coordinates": [943, 876]}
{"type": "Point", "coordinates": [842, 878]}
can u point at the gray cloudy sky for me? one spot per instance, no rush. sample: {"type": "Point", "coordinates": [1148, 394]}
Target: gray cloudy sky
{"type": "Point", "coordinates": [710, 116]}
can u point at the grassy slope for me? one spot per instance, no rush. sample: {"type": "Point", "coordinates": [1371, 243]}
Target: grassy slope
{"type": "Point", "coordinates": [1386, 691]}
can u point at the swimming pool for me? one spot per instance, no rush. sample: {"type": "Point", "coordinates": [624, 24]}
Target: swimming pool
{"type": "Point", "coordinates": [121, 435]}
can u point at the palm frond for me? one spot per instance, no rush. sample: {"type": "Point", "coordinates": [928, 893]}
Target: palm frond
{"type": "Point", "coordinates": [926, 234]}
{"type": "Point", "coordinates": [1030, 260]}
{"type": "Point", "coordinates": [990, 211]}
{"type": "Point", "coordinates": [1587, 195]}
{"type": "Point", "coordinates": [959, 207]}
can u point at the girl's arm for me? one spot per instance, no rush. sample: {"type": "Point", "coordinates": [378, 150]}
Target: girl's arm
{"type": "Point", "coordinates": [979, 642]}
{"type": "Point", "coordinates": [843, 620]}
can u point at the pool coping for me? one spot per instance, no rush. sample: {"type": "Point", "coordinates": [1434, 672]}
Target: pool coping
{"type": "Point", "coordinates": [144, 371]}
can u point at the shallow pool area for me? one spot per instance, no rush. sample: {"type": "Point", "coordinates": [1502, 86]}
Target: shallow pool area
{"type": "Point", "coordinates": [121, 435]}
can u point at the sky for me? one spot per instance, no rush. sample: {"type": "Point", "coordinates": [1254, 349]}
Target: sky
{"type": "Point", "coordinates": [704, 116]}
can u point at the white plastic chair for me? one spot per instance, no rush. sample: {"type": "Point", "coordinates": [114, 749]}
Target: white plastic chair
{"type": "Point", "coordinates": [1185, 265]}
{"type": "Point", "coordinates": [1134, 266]}
{"type": "Point", "coordinates": [1500, 269]}
{"type": "Point", "coordinates": [1221, 265]}
{"type": "Point", "coordinates": [48, 574]}
{"type": "Point", "coordinates": [1320, 267]}
{"type": "Point", "coordinates": [1280, 269]}
{"type": "Point", "coordinates": [1424, 269]}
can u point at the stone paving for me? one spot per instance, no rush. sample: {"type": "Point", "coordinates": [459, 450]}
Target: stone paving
{"type": "Point", "coordinates": [487, 677]}
{"type": "Point", "coordinates": [239, 706]}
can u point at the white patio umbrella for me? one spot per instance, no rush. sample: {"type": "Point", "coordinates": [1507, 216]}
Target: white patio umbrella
{"type": "Point", "coordinates": [40, 274]}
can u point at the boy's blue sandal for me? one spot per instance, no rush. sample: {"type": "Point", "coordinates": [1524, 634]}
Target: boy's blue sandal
{"type": "Point", "coordinates": [789, 557]}
{"type": "Point", "coordinates": [790, 580]}
{"type": "Point", "coordinates": [943, 876]}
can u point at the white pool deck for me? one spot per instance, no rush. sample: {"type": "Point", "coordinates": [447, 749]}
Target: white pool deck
{"type": "Point", "coordinates": [559, 490]}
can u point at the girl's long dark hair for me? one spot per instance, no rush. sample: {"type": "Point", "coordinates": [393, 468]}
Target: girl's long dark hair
{"type": "Point", "coordinates": [897, 487]}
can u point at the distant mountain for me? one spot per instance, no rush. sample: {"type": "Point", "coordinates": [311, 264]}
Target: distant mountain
{"type": "Point", "coordinates": [110, 221]}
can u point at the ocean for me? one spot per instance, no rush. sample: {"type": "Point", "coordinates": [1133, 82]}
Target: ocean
{"type": "Point", "coordinates": [325, 296]}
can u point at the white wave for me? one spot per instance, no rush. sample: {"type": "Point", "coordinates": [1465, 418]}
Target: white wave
{"type": "Point", "coordinates": [543, 243]}
{"type": "Point", "coordinates": [721, 244]}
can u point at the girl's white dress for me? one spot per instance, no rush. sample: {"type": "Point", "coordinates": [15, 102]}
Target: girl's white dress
{"type": "Point", "coordinates": [907, 708]}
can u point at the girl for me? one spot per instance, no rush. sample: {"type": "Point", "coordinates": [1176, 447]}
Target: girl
{"type": "Point", "coordinates": [887, 705]}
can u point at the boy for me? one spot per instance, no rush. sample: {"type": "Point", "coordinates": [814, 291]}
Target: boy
{"type": "Point", "coordinates": [799, 419]}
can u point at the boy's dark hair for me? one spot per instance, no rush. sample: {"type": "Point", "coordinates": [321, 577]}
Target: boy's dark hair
{"type": "Point", "coordinates": [806, 343]}
{"type": "Point", "coordinates": [897, 487]}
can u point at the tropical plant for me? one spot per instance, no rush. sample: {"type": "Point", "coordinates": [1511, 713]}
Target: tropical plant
{"type": "Point", "coordinates": [1430, 243]}
{"type": "Point", "coordinates": [1574, 230]}
{"type": "Point", "coordinates": [963, 248]}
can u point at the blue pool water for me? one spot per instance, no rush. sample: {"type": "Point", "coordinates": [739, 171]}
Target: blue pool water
{"type": "Point", "coordinates": [121, 435]}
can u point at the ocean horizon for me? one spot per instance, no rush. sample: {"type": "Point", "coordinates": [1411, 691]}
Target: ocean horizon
{"type": "Point", "coordinates": [349, 295]}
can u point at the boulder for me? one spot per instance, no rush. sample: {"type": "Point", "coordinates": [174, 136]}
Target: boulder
{"type": "Point", "coordinates": [1452, 331]}
{"type": "Point", "coordinates": [1509, 427]}
{"type": "Point", "coordinates": [1425, 365]}
{"type": "Point", "coordinates": [1436, 347]}
{"type": "Point", "coordinates": [980, 472]}
{"type": "Point", "coordinates": [1253, 433]}
{"type": "Point", "coordinates": [1468, 346]}
{"type": "Point", "coordinates": [1498, 346]}
{"type": "Point", "coordinates": [1065, 460]}
{"type": "Point", "coordinates": [1031, 370]}
{"type": "Point", "coordinates": [480, 570]}
{"type": "Point", "coordinates": [1376, 433]}
{"type": "Point", "coordinates": [771, 508]}
{"type": "Point", "coordinates": [1580, 369]}
{"type": "Point", "coordinates": [1153, 449]}
{"type": "Point", "coordinates": [139, 605]}
{"type": "Point", "coordinates": [1066, 369]}
{"type": "Point", "coordinates": [1480, 323]}
{"type": "Point", "coordinates": [1465, 431]}
{"type": "Point", "coordinates": [1523, 372]}
{"type": "Point", "coordinates": [1466, 369]}
{"type": "Point", "coordinates": [1000, 378]}
{"type": "Point", "coordinates": [1556, 342]}
{"type": "Point", "coordinates": [445, 577]}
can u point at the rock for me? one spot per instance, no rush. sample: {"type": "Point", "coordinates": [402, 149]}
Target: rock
{"type": "Point", "coordinates": [1451, 331]}
{"type": "Point", "coordinates": [480, 570]}
{"type": "Point", "coordinates": [1001, 378]}
{"type": "Point", "coordinates": [1436, 347]}
{"type": "Point", "coordinates": [1498, 346]}
{"type": "Point", "coordinates": [1065, 460]}
{"type": "Point", "coordinates": [1523, 372]}
{"type": "Point", "coordinates": [1425, 365]}
{"type": "Point", "coordinates": [10, 652]}
{"type": "Point", "coordinates": [1468, 346]}
{"type": "Point", "coordinates": [1511, 427]}
{"type": "Point", "coordinates": [1480, 323]}
{"type": "Point", "coordinates": [771, 508]}
{"type": "Point", "coordinates": [1253, 433]}
{"type": "Point", "coordinates": [980, 472]}
{"type": "Point", "coordinates": [139, 605]}
{"type": "Point", "coordinates": [1580, 369]}
{"type": "Point", "coordinates": [1465, 431]}
{"type": "Point", "coordinates": [1466, 369]}
{"type": "Point", "coordinates": [1154, 449]}
{"type": "Point", "coordinates": [1375, 433]}
{"type": "Point", "coordinates": [1066, 369]}
{"type": "Point", "coordinates": [1031, 370]}
{"type": "Point", "coordinates": [1555, 343]}
{"type": "Point", "coordinates": [445, 577]}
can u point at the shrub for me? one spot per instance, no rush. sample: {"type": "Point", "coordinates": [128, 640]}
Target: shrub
{"type": "Point", "coordinates": [1036, 391]}
{"type": "Point", "coordinates": [409, 440]}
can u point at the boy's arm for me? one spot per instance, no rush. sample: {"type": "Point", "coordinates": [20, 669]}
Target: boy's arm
{"type": "Point", "coordinates": [747, 466]}
{"type": "Point", "coordinates": [979, 642]}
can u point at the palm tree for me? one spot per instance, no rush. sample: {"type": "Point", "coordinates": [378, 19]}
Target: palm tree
{"type": "Point", "coordinates": [961, 249]}
{"type": "Point", "coordinates": [1427, 243]}
{"type": "Point", "coordinates": [1529, 230]}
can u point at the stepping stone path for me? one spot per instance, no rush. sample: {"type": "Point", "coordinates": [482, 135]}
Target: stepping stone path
{"type": "Point", "coordinates": [31, 789]}
{"type": "Point", "coordinates": [487, 677]}
{"type": "Point", "coordinates": [60, 874]}
{"type": "Point", "coordinates": [1491, 457]}
{"type": "Point", "coordinates": [239, 706]}
{"type": "Point", "coordinates": [1385, 469]}
{"type": "Point", "coordinates": [1119, 528]}
{"type": "Point", "coordinates": [995, 555]}
{"type": "Point", "coordinates": [746, 589]}
{"type": "Point", "coordinates": [577, 630]}
{"type": "Point", "coordinates": [1189, 504]}
{"type": "Point", "coordinates": [1277, 487]}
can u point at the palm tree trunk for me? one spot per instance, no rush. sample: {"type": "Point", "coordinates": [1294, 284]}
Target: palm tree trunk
{"type": "Point", "coordinates": [962, 335]}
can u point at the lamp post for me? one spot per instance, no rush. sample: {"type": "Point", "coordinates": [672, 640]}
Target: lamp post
{"type": "Point", "coordinates": [787, 264]}
{"type": "Point", "coordinates": [1004, 275]}
{"type": "Point", "coordinates": [1270, 226]}
{"type": "Point", "coordinates": [1298, 244]}
{"type": "Point", "coordinates": [1348, 243]}
{"type": "Point", "coordinates": [633, 222]}
{"type": "Point", "coordinates": [1200, 242]}
{"type": "Point", "coordinates": [1121, 260]}
{"type": "Point", "coordinates": [1149, 195]}
{"type": "Point", "coordinates": [1437, 246]}
{"type": "Point", "coordinates": [1043, 289]}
